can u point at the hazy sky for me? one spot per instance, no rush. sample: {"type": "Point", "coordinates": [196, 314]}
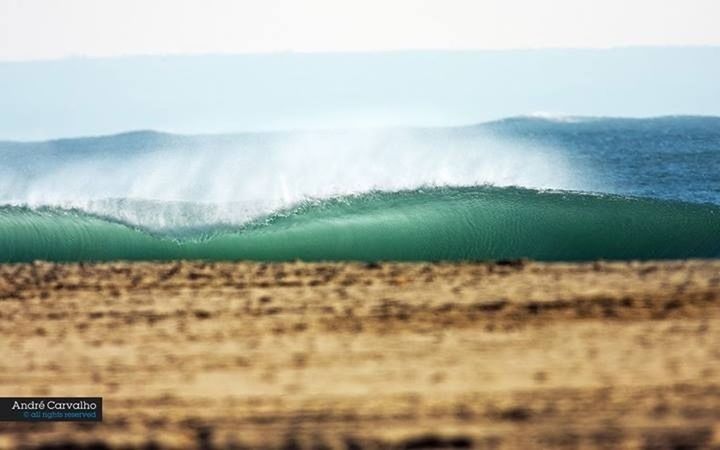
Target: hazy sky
{"type": "Point", "coordinates": [39, 29]}
{"type": "Point", "coordinates": [280, 91]}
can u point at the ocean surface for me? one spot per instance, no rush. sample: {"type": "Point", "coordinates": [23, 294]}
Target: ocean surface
{"type": "Point", "coordinates": [546, 188]}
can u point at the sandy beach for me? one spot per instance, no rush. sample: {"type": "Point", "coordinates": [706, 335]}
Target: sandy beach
{"type": "Point", "coordinates": [512, 355]}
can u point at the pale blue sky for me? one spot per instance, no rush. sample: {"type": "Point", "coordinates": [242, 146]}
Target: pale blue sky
{"type": "Point", "coordinates": [208, 94]}
{"type": "Point", "coordinates": [305, 63]}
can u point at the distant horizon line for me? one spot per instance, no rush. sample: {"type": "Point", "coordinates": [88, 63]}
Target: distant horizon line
{"type": "Point", "coordinates": [563, 119]}
{"type": "Point", "coordinates": [82, 57]}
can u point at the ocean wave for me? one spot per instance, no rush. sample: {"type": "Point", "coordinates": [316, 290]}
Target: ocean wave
{"type": "Point", "coordinates": [470, 223]}
{"type": "Point", "coordinates": [534, 187]}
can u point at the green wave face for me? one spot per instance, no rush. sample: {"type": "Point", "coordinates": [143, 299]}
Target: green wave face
{"type": "Point", "coordinates": [476, 223]}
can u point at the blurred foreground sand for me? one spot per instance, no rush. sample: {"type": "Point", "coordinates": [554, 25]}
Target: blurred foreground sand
{"type": "Point", "coordinates": [507, 356]}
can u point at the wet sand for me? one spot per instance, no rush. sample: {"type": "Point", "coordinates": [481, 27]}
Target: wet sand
{"type": "Point", "coordinates": [491, 356]}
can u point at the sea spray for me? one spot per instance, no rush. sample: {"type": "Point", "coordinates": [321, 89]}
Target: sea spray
{"type": "Point", "coordinates": [267, 173]}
